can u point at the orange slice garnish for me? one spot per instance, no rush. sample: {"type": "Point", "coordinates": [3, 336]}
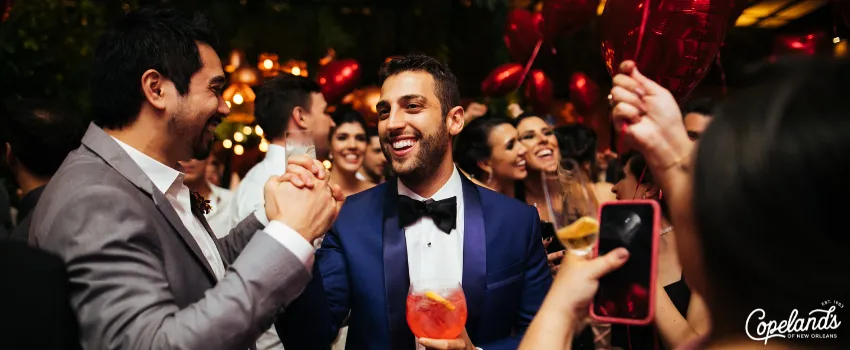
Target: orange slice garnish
{"type": "Point", "coordinates": [436, 297]}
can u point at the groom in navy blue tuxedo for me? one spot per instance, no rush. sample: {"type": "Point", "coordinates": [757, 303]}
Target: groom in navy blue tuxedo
{"type": "Point", "coordinates": [431, 222]}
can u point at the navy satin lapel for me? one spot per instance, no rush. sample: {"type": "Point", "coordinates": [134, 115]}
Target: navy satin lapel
{"type": "Point", "coordinates": [396, 275]}
{"type": "Point", "coordinates": [474, 254]}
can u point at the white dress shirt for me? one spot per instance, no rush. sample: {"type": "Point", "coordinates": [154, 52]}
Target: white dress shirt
{"type": "Point", "coordinates": [170, 182]}
{"type": "Point", "coordinates": [221, 201]}
{"type": "Point", "coordinates": [248, 198]}
{"type": "Point", "coordinates": [249, 193]}
{"type": "Point", "coordinates": [431, 253]}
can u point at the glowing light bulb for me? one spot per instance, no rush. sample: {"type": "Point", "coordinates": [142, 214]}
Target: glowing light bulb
{"type": "Point", "coordinates": [238, 99]}
{"type": "Point", "coordinates": [268, 64]}
{"type": "Point", "coordinates": [327, 164]}
{"type": "Point", "coordinates": [247, 130]}
{"type": "Point", "coordinates": [238, 150]}
{"type": "Point", "coordinates": [228, 104]}
{"type": "Point", "coordinates": [238, 136]}
{"type": "Point", "coordinates": [836, 40]}
{"type": "Point", "coordinates": [264, 147]}
{"type": "Point", "coordinates": [258, 130]}
{"type": "Point", "coordinates": [296, 71]}
{"type": "Point", "coordinates": [227, 144]}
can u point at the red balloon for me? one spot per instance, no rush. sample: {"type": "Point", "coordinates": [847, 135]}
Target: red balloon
{"type": "Point", "coordinates": [521, 34]}
{"type": "Point", "coordinates": [564, 17]}
{"type": "Point", "coordinates": [502, 80]}
{"type": "Point", "coordinates": [539, 91]}
{"type": "Point", "coordinates": [584, 93]}
{"type": "Point", "coordinates": [672, 42]}
{"type": "Point", "coordinates": [338, 78]}
{"type": "Point", "coordinates": [807, 44]}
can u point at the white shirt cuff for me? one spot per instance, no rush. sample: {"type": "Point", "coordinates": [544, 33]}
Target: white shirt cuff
{"type": "Point", "coordinates": [293, 241]}
{"type": "Point", "coordinates": [260, 214]}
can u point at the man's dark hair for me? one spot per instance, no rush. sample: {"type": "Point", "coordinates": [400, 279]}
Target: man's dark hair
{"type": "Point", "coordinates": [276, 99]}
{"type": "Point", "coordinates": [41, 134]}
{"type": "Point", "coordinates": [768, 178]}
{"type": "Point", "coordinates": [577, 142]}
{"type": "Point", "coordinates": [473, 144]}
{"type": "Point", "coordinates": [445, 83]}
{"type": "Point", "coordinates": [704, 106]}
{"type": "Point", "coordinates": [148, 38]}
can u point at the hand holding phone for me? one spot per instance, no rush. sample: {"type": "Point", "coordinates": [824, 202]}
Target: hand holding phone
{"type": "Point", "coordinates": [627, 295]}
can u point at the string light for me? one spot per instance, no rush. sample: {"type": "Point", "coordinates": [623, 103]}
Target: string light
{"type": "Point", "coordinates": [264, 145]}
{"type": "Point", "coordinates": [238, 136]}
{"type": "Point", "coordinates": [296, 71]}
{"type": "Point", "coordinates": [238, 149]}
{"type": "Point", "coordinates": [258, 130]}
{"type": "Point", "coordinates": [247, 130]}
{"type": "Point", "coordinates": [227, 144]}
{"type": "Point", "coordinates": [238, 99]}
{"type": "Point", "coordinates": [228, 104]}
{"type": "Point", "coordinates": [836, 40]}
{"type": "Point", "coordinates": [327, 164]}
{"type": "Point", "coordinates": [268, 64]}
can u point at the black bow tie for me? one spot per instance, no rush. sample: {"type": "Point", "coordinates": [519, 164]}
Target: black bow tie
{"type": "Point", "coordinates": [443, 212]}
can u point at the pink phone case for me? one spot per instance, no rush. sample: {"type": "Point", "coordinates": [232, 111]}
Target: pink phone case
{"type": "Point", "coordinates": [653, 265]}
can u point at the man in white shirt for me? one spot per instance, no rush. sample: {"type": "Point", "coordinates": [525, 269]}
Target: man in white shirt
{"type": "Point", "coordinates": [285, 103]}
{"type": "Point", "coordinates": [429, 223]}
{"type": "Point", "coordinates": [220, 199]}
{"type": "Point", "coordinates": [145, 270]}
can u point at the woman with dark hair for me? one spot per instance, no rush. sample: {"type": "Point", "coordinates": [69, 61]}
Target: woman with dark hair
{"type": "Point", "coordinates": [578, 142]}
{"type": "Point", "coordinates": [542, 156]}
{"type": "Point", "coordinates": [348, 147]}
{"type": "Point", "coordinates": [760, 233]}
{"type": "Point", "coordinates": [488, 151]}
{"type": "Point", "coordinates": [675, 305]}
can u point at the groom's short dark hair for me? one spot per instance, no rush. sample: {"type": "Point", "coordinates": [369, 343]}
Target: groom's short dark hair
{"type": "Point", "coordinates": [445, 83]}
{"type": "Point", "coordinates": [148, 38]}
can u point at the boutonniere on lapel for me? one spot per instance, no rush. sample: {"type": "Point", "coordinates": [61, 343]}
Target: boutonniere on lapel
{"type": "Point", "coordinates": [200, 203]}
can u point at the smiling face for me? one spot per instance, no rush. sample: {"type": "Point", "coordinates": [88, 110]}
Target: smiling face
{"type": "Point", "coordinates": [193, 117]}
{"type": "Point", "coordinates": [415, 135]}
{"type": "Point", "coordinates": [542, 146]}
{"type": "Point", "coordinates": [507, 159]}
{"type": "Point", "coordinates": [375, 162]}
{"type": "Point", "coordinates": [348, 146]}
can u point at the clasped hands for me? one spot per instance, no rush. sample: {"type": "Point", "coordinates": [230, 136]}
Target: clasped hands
{"type": "Point", "coordinates": [302, 198]}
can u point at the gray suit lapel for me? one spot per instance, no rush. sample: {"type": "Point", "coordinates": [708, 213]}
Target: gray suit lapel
{"type": "Point", "coordinates": [106, 148]}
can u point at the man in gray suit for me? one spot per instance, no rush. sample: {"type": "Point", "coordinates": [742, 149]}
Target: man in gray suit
{"type": "Point", "coordinates": [145, 270]}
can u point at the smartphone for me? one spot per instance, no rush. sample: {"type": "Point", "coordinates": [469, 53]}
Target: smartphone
{"type": "Point", "coordinates": [627, 295]}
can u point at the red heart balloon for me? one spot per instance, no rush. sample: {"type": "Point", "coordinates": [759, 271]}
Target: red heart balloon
{"type": "Point", "coordinates": [672, 42]}
{"type": "Point", "coordinates": [584, 93]}
{"type": "Point", "coordinates": [564, 17]}
{"type": "Point", "coordinates": [502, 80]}
{"type": "Point", "coordinates": [521, 34]}
{"type": "Point", "coordinates": [539, 91]}
{"type": "Point", "coordinates": [338, 78]}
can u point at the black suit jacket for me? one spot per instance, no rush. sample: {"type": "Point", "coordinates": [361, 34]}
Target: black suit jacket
{"type": "Point", "coordinates": [35, 312]}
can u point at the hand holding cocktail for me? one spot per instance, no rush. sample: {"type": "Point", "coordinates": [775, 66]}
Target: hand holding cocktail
{"type": "Point", "coordinates": [436, 313]}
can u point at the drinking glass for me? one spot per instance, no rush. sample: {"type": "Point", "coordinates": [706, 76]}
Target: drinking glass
{"type": "Point", "coordinates": [436, 309]}
{"type": "Point", "coordinates": [570, 199]}
{"type": "Point", "coordinates": [299, 143]}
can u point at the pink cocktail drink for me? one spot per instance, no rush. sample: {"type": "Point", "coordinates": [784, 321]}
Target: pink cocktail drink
{"type": "Point", "coordinates": [438, 313]}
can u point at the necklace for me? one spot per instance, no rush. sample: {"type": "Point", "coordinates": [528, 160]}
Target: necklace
{"type": "Point", "coordinates": [666, 230]}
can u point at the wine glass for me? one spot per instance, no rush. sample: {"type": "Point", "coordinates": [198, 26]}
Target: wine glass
{"type": "Point", "coordinates": [436, 309]}
{"type": "Point", "coordinates": [299, 143]}
{"type": "Point", "coordinates": [571, 201]}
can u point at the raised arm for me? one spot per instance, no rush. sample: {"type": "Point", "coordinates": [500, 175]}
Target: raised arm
{"type": "Point", "coordinates": [676, 329]}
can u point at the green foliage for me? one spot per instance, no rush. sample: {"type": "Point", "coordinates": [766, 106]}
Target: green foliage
{"type": "Point", "coordinates": [46, 48]}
